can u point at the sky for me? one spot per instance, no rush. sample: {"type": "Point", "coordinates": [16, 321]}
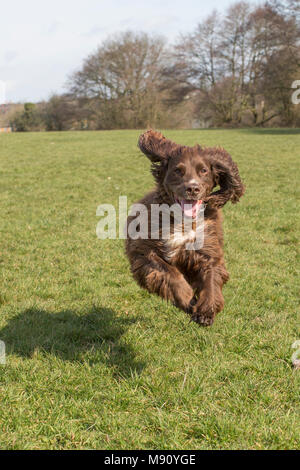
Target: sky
{"type": "Point", "coordinates": [42, 43]}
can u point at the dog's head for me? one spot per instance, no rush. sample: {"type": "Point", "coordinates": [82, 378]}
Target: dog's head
{"type": "Point", "coordinates": [189, 174]}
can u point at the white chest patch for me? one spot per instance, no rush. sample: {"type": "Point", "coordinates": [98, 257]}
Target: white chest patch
{"type": "Point", "coordinates": [180, 238]}
{"type": "Point", "coordinates": [191, 240]}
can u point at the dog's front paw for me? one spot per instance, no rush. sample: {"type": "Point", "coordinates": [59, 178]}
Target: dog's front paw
{"type": "Point", "coordinates": [203, 314]}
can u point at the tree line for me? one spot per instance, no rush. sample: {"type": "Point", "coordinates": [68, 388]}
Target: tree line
{"type": "Point", "coordinates": [234, 69]}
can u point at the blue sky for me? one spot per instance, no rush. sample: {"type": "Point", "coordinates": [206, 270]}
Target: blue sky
{"type": "Point", "coordinates": [43, 42]}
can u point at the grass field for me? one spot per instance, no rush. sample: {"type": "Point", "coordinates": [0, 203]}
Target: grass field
{"type": "Point", "coordinates": [95, 362]}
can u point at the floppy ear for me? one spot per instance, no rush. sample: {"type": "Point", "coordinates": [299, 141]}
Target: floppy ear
{"type": "Point", "coordinates": [156, 147]}
{"type": "Point", "coordinates": [227, 177]}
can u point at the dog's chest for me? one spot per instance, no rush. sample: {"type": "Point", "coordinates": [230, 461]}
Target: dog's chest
{"type": "Point", "coordinates": [182, 240]}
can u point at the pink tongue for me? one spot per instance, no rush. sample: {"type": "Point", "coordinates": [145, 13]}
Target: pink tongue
{"type": "Point", "coordinates": [190, 208]}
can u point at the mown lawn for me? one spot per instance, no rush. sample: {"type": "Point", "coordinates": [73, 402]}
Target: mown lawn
{"type": "Point", "coordinates": [95, 362]}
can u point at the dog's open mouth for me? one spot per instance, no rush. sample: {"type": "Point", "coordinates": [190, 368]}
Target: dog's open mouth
{"type": "Point", "coordinates": [189, 207]}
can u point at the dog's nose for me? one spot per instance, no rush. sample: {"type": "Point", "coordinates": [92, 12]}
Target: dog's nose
{"type": "Point", "coordinates": [192, 189]}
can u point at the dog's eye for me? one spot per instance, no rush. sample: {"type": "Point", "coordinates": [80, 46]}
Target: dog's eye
{"type": "Point", "coordinates": [178, 171]}
{"type": "Point", "coordinates": [203, 170]}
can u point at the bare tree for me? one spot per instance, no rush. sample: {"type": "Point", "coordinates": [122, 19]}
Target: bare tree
{"type": "Point", "coordinates": [122, 79]}
{"type": "Point", "coordinates": [239, 64]}
{"type": "Point", "coordinates": [210, 66]}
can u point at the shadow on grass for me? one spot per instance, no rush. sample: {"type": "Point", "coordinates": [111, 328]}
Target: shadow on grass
{"type": "Point", "coordinates": [94, 337]}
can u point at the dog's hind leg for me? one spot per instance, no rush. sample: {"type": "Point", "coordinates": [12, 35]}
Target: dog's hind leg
{"type": "Point", "coordinates": [159, 277]}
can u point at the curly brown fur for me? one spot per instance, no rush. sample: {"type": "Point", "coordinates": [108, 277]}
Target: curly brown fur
{"type": "Point", "coordinates": [191, 279]}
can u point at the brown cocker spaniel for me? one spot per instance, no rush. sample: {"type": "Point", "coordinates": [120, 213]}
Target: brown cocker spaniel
{"type": "Point", "coordinates": [192, 279]}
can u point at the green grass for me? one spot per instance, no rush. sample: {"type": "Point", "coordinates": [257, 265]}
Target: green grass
{"type": "Point", "coordinates": [95, 362]}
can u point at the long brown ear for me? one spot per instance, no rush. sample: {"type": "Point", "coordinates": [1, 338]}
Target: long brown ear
{"type": "Point", "coordinates": [227, 176]}
{"type": "Point", "coordinates": [156, 147]}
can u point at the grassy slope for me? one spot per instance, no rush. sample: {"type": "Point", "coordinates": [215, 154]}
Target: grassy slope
{"type": "Point", "coordinates": [95, 362]}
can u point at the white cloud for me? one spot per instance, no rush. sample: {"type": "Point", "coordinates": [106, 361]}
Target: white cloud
{"type": "Point", "coordinates": [10, 56]}
{"type": "Point", "coordinates": [54, 27]}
